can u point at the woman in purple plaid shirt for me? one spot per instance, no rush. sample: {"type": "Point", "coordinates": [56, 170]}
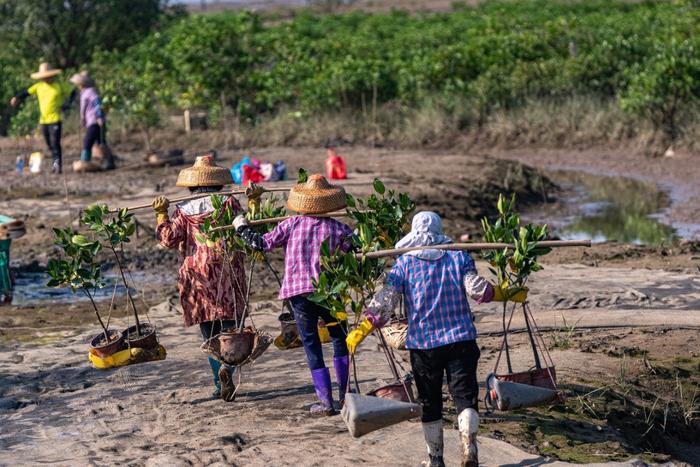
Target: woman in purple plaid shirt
{"type": "Point", "coordinates": [301, 237]}
{"type": "Point", "coordinates": [441, 335]}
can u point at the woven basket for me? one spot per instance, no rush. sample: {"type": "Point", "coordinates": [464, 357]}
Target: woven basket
{"type": "Point", "coordinates": [395, 334]}
{"type": "Point", "coordinates": [204, 172]}
{"type": "Point", "coordinates": [316, 196]}
{"type": "Point", "coordinates": [261, 341]}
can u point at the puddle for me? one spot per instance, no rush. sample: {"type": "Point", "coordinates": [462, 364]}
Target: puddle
{"type": "Point", "coordinates": [30, 289]}
{"type": "Point", "coordinates": [607, 208]}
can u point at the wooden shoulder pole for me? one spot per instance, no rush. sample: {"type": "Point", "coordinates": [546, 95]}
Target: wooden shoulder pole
{"type": "Point", "coordinates": [472, 247]}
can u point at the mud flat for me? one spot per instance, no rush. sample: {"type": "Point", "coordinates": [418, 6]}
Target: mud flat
{"type": "Point", "coordinates": [621, 321]}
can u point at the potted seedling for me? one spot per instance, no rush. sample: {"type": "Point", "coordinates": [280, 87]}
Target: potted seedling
{"type": "Point", "coordinates": [236, 345]}
{"type": "Point", "coordinates": [512, 268]}
{"type": "Point", "coordinates": [114, 230]}
{"type": "Point", "coordinates": [78, 271]}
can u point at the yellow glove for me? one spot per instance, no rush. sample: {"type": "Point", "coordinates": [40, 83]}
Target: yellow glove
{"type": "Point", "coordinates": [160, 206]}
{"type": "Point", "coordinates": [505, 294]}
{"type": "Point", "coordinates": [357, 335]}
{"type": "Point", "coordinates": [254, 192]}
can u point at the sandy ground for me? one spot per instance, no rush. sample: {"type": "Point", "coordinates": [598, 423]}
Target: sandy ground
{"type": "Point", "coordinates": [57, 409]}
{"type": "Point", "coordinates": [609, 305]}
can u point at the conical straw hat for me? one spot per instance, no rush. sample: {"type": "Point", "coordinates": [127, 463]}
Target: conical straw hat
{"type": "Point", "coordinates": [204, 172]}
{"type": "Point", "coordinates": [316, 196]}
{"type": "Point", "coordinates": [45, 71]}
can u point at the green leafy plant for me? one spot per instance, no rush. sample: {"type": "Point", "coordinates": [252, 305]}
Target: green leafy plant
{"type": "Point", "coordinates": [512, 266]}
{"type": "Point", "coordinates": [113, 230]}
{"type": "Point", "coordinates": [346, 282]}
{"type": "Point", "coordinates": [77, 268]}
{"type": "Point", "coordinates": [228, 241]}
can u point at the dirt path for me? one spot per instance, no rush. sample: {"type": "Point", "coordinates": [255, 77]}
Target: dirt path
{"type": "Point", "coordinates": [56, 408]}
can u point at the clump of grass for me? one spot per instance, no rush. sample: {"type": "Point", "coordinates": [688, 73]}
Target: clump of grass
{"type": "Point", "coordinates": [689, 406]}
{"type": "Point", "coordinates": [562, 336]}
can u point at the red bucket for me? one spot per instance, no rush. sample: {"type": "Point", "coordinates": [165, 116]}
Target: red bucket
{"type": "Point", "coordinates": [540, 378]}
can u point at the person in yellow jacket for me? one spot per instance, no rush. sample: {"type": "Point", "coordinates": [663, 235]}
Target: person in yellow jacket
{"type": "Point", "coordinates": [51, 95]}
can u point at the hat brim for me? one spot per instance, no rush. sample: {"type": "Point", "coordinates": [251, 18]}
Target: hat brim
{"type": "Point", "coordinates": [313, 201]}
{"type": "Point", "coordinates": [200, 176]}
{"type": "Point", "coordinates": [46, 74]}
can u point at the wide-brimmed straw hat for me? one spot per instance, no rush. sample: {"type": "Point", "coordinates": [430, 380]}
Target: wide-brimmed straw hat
{"type": "Point", "coordinates": [45, 71]}
{"type": "Point", "coordinates": [82, 79]}
{"type": "Point", "coordinates": [316, 196]}
{"type": "Point", "coordinates": [204, 172]}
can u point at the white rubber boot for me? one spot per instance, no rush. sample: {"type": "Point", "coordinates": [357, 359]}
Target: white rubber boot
{"type": "Point", "coordinates": [432, 431]}
{"type": "Point", "coordinates": [468, 422]}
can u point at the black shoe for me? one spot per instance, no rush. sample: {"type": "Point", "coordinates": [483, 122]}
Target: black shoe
{"type": "Point", "coordinates": [56, 168]}
{"type": "Point", "coordinates": [216, 394]}
{"type": "Point", "coordinates": [228, 389]}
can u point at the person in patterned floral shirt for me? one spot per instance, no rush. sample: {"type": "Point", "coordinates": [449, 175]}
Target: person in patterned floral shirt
{"type": "Point", "coordinates": [302, 236]}
{"type": "Point", "coordinates": [212, 291]}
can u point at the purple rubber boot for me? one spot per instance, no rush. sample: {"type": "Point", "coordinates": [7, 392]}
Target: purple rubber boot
{"type": "Point", "coordinates": [322, 383]}
{"type": "Point", "coordinates": [342, 372]}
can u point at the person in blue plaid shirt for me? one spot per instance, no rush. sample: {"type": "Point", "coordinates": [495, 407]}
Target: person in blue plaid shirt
{"type": "Point", "coordinates": [441, 334]}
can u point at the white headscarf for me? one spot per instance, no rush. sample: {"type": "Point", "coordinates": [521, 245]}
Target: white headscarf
{"type": "Point", "coordinates": [426, 229]}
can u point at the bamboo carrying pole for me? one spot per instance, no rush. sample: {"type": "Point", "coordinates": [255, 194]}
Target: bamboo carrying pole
{"type": "Point", "coordinates": [274, 220]}
{"type": "Point", "coordinates": [229, 193]}
{"type": "Point", "coordinates": [197, 196]}
{"type": "Point", "coordinates": [471, 247]}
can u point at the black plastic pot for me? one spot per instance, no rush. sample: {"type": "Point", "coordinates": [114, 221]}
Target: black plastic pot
{"type": "Point", "coordinates": [103, 350]}
{"type": "Point", "coordinates": [147, 339]}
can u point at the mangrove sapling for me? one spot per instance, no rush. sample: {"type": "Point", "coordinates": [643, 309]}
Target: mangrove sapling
{"type": "Point", "coordinates": [512, 266]}
{"type": "Point", "coordinates": [347, 281]}
{"type": "Point", "coordinates": [228, 243]}
{"type": "Point", "coordinates": [77, 269]}
{"type": "Point", "coordinates": [114, 230]}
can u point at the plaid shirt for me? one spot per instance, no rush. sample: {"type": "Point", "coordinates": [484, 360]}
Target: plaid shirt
{"type": "Point", "coordinates": [435, 298]}
{"type": "Point", "coordinates": [302, 237]}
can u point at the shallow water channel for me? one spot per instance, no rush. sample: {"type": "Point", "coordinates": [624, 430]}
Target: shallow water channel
{"type": "Point", "coordinates": [31, 290]}
{"type": "Point", "coordinates": [606, 209]}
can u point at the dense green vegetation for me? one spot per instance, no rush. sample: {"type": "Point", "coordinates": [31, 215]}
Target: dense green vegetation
{"type": "Point", "coordinates": [642, 57]}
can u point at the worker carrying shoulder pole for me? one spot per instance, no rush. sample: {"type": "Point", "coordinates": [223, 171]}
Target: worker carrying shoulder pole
{"type": "Point", "coordinates": [51, 95]}
{"type": "Point", "coordinates": [302, 237]}
{"type": "Point", "coordinates": [212, 290]}
{"type": "Point", "coordinates": [441, 334]}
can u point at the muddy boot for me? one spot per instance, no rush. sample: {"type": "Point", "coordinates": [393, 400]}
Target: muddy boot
{"type": "Point", "coordinates": [228, 389]}
{"type": "Point", "coordinates": [322, 383]}
{"type": "Point", "coordinates": [468, 422]}
{"type": "Point", "coordinates": [342, 372]}
{"type": "Point", "coordinates": [432, 432]}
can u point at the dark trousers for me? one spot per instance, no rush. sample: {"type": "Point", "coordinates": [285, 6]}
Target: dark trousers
{"type": "Point", "coordinates": [306, 314]}
{"type": "Point", "coordinates": [212, 328]}
{"type": "Point", "coordinates": [459, 361]}
{"type": "Point", "coordinates": [52, 136]}
{"type": "Point", "coordinates": [93, 134]}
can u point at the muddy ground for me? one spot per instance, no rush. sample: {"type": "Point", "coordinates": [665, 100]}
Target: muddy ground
{"type": "Point", "coordinates": [621, 322]}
